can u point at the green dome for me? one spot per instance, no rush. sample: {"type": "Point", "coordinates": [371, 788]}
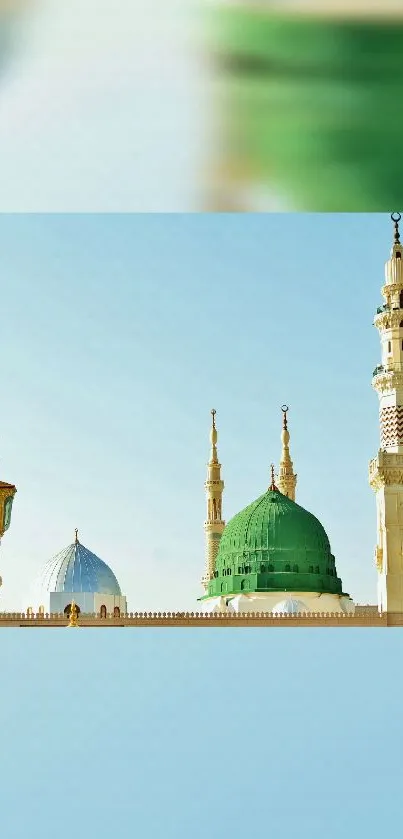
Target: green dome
{"type": "Point", "coordinates": [274, 545]}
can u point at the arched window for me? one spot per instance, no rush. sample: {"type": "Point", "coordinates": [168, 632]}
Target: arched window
{"type": "Point", "coordinates": [317, 569]}
{"type": "Point", "coordinates": [271, 567]}
{"type": "Point", "coordinates": [401, 300]}
{"type": "Point", "coordinates": [103, 611]}
{"type": "Point", "coordinates": [311, 569]}
{"type": "Point", "coordinates": [116, 612]}
{"type": "Point", "coordinates": [398, 255]}
{"type": "Point", "coordinates": [263, 568]}
{"type": "Point", "coordinates": [295, 569]}
{"type": "Point", "coordinates": [288, 567]}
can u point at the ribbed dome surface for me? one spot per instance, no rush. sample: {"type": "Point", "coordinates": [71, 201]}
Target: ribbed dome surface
{"type": "Point", "coordinates": [76, 569]}
{"type": "Point", "coordinates": [274, 545]}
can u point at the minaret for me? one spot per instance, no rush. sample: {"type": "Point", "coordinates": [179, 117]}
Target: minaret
{"type": "Point", "coordinates": [287, 480]}
{"type": "Point", "coordinates": [386, 470]}
{"type": "Point", "coordinates": [214, 525]}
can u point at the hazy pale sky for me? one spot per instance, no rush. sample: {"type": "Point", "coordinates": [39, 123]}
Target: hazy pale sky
{"type": "Point", "coordinates": [121, 332]}
{"type": "Point", "coordinates": [99, 107]}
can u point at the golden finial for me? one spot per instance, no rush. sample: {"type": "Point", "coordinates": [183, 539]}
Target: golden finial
{"type": "Point", "coordinates": [76, 539]}
{"type": "Point", "coordinates": [396, 218]}
{"type": "Point", "coordinates": [272, 486]}
{"type": "Point", "coordinates": [73, 614]}
{"type": "Point", "coordinates": [285, 410]}
{"type": "Point", "coordinates": [213, 438]}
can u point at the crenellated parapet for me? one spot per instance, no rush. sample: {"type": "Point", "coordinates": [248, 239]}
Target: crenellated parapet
{"type": "Point", "coordinates": [363, 617]}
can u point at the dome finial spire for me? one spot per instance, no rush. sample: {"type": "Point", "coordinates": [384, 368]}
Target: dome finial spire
{"type": "Point", "coordinates": [213, 438]}
{"type": "Point", "coordinates": [272, 486]}
{"type": "Point", "coordinates": [396, 218]}
{"type": "Point", "coordinates": [76, 539]}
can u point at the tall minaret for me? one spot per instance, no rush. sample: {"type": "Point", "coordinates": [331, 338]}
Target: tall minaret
{"type": "Point", "coordinates": [286, 480]}
{"type": "Point", "coordinates": [214, 525]}
{"type": "Point", "coordinates": [386, 470]}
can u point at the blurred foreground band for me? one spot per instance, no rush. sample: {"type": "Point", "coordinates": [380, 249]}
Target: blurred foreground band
{"type": "Point", "coordinates": [307, 106]}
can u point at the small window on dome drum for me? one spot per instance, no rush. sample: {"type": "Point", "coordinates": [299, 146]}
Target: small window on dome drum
{"type": "Point", "coordinates": [311, 569]}
{"type": "Point", "coordinates": [295, 569]}
{"type": "Point", "coordinates": [398, 255]}
{"type": "Point", "coordinates": [317, 569]}
{"type": "Point", "coordinates": [288, 567]}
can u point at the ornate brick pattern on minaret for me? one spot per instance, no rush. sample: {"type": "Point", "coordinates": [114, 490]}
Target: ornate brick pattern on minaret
{"type": "Point", "coordinates": [391, 422]}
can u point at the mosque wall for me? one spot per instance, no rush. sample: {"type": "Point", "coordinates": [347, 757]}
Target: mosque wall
{"type": "Point", "coordinates": [87, 602]}
{"type": "Point", "coordinates": [363, 618]}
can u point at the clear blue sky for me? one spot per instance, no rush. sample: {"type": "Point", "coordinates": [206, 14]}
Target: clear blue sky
{"type": "Point", "coordinates": [121, 332]}
{"type": "Point", "coordinates": [203, 732]}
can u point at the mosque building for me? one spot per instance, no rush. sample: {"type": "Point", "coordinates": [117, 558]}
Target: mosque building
{"type": "Point", "coordinates": [78, 574]}
{"type": "Point", "coordinates": [273, 559]}
{"type": "Point", "coordinates": [273, 556]}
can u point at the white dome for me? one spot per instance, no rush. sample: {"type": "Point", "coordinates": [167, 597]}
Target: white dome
{"type": "Point", "coordinates": [347, 605]}
{"type": "Point", "coordinates": [289, 607]}
{"type": "Point", "coordinates": [241, 603]}
{"type": "Point", "coordinates": [214, 606]}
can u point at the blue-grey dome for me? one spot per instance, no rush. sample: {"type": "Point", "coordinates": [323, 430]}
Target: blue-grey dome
{"type": "Point", "coordinates": [76, 569]}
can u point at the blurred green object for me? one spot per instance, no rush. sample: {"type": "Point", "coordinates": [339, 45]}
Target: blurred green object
{"type": "Point", "coordinates": [312, 106]}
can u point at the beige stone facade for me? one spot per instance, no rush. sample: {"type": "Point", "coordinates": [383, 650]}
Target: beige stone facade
{"type": "Point", "coordinates": [386, 469]}
{"type": "Point", "coordinates": [214, 523]}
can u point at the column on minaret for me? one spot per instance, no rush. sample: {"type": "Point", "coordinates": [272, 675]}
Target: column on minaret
{"type": "Point", "coordinates": [286, 480]}
{"type": "Point", "coordinates": [214, 525]}
{"type": "Point", "coordinates": [386, 470]}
